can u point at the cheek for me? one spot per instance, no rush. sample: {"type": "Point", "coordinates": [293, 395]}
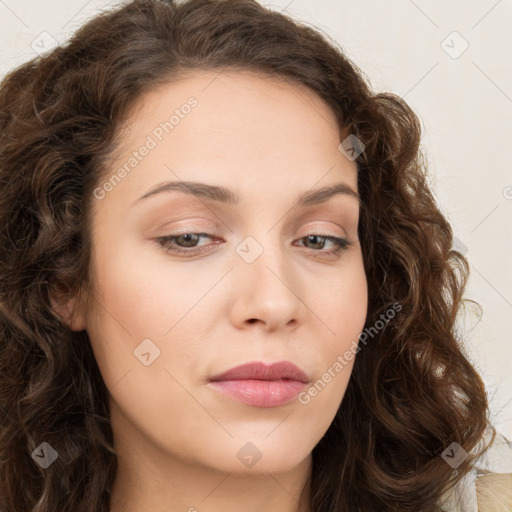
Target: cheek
{"type": "Point", "coordinates": [137, 316]}
{"type": "Point", "coordinates": [132, 311]}
{"type": "Point", "coordinates": [343, 307]}
{"type": "Point", "coordinates": [345, 316]}
{"type": "Point", "coordinates": [124, 310]}
{"type": "Point", "coordinates": [132, 293]}
{"type": "Point", "coordinates": [342, 311]}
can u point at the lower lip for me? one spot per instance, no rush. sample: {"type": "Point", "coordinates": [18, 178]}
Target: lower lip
{"type": "Point", "coordinates": [260, 393]}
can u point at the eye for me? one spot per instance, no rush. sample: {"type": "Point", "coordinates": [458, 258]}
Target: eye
{"type": "Point", "coordinates": [341, 244]}
{"type": "Point", "coordinates": [187, 243]}
{"type": "Point", "coordinates": [190, 240]}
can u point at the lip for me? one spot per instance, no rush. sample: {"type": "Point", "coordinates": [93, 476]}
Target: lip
{"type": "Point", "coordinates": [261, 385]}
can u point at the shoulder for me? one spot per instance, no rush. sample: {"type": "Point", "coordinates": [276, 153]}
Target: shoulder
{"type": "Point", "coordinates": [488, 486]}
{"type": "Point", "coordinates": [494, 492]}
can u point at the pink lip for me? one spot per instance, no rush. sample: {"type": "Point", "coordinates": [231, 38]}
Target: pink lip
{"type": "Point", "coordinates": [261, 385]}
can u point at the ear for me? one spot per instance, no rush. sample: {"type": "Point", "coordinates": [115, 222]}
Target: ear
{"type": "Point", "coordinates": [71, 311]}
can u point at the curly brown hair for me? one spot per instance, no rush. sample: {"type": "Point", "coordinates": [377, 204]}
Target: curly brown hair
{"type": "Point", "coordinates": [412, 392]}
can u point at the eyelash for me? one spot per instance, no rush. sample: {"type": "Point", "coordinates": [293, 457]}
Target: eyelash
{"type": "Point", "coordinates": [165, 242]}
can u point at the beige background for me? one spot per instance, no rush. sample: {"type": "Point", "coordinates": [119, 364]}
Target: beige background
{"type": "Point", "coordinates": [463, 96]}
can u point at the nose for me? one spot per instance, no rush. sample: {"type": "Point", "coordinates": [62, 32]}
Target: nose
{"type": "Point", "coordinates": [267, 293]}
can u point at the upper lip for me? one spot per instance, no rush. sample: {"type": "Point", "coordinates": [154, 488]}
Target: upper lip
{"type": "Point", "coordinates": [261, 371]}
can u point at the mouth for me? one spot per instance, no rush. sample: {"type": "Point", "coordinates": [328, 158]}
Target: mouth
{"type": "Point", "coordinates": [261, 385]}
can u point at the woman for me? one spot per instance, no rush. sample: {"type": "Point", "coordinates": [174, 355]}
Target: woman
{"type": "Point", "coordinates": [225, 282]}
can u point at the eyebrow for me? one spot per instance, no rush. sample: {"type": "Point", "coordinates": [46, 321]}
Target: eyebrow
{"type": "Point", "coordinates": [226, 195]}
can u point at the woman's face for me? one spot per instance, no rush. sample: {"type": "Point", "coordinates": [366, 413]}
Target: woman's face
{"type": "Point", "coordinates": [259, 284]}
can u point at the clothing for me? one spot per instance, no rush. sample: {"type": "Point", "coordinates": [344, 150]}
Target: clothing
{"type": "Point", "coordinates": [488, 486]}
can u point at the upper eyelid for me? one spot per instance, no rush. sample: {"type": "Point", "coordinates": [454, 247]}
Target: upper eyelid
{"type": "Point", "coordinates": [212, 233]}
{"type": "Point", "coordinates": [214, 226]}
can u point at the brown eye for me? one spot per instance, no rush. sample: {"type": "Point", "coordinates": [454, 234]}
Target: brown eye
{"type": "Point", "coordinates": [320, 240]}
{"type": "Point", "coordinates": [179, 243]}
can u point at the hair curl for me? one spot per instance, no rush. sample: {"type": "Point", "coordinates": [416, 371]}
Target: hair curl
{"type": "Point", "coordinates": [412, 391]}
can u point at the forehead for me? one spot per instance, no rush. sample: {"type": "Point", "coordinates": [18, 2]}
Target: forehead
{"type": "Point", "coordinates": [243, 129]}
{"type": "Point", "coordinates": [235, 99]}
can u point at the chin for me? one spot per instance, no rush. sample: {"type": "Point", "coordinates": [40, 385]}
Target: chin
{"type": "Point", "coordinates": [252, 456]}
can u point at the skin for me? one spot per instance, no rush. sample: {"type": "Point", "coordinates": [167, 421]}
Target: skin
{"type": "Point", "coordinates": [177, 439]}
